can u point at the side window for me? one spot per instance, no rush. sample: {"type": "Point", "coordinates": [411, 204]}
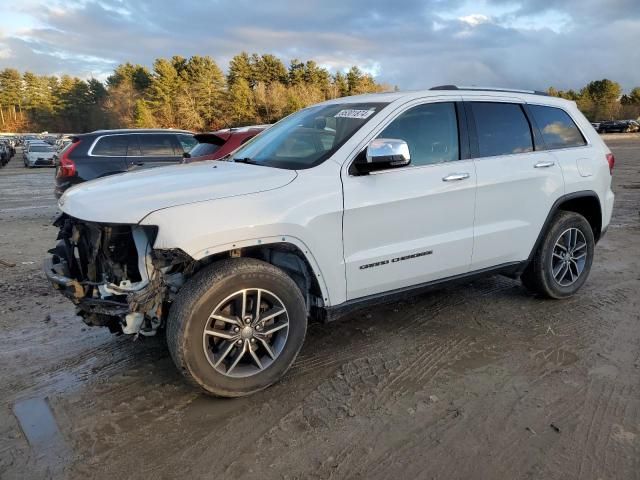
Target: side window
{"type": "Point", "coordinates": [187, 142]}
{"type": "Point", "coordinates": [557, 127]}
{"type": "Point", "coordinates": [157, 145]}
{"type": "Point", "coordinates": [111, 146]}
{"type": "Point", "coordinates": [430, 130]}
{"type": "Point", "coordinates": [502, 129]}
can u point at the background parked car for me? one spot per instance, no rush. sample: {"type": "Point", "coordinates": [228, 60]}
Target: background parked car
{"type": "Point", "coordinates": [62, 142]}
{"type": "Point", "coordinates": [7, 150]}
{"type": "Point", "coordinates": [615, 126]}
{"type": "Point", "coordinates": [39, 155]}
{"type": "Point", "coordinates": [107, 152]}
{"type": "Point", "coordinates": [5, 153]}
{"type": "Point", "coordinates": [27, 145]}
{"type": "Point", "coordinates": [632, 126]}
{"type": "Point", "coordinates": [216, 145]}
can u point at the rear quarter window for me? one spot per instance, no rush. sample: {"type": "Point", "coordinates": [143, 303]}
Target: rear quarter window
{"type": "Point", "coordinates": [111, 146]}
{"type": "Point", "coordinates": [557, 127]}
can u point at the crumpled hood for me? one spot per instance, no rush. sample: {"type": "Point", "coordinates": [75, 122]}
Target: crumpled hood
{"type": "Point", "coordinates": [129, 197]}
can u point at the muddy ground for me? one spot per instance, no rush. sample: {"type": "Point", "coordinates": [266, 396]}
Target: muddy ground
{"type": "Point", "coordinates": [476, 381]}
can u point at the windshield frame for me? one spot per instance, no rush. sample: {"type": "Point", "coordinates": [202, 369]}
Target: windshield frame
{"type": "Point", "coordinates": [288, 126]}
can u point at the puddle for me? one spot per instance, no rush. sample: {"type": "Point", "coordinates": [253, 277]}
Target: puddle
{"type": "Point", "coordinates": [41, 430]}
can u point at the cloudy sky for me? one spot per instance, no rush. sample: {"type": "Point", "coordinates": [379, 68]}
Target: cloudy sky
{"type": "Point", "coordinates": [409, 43]}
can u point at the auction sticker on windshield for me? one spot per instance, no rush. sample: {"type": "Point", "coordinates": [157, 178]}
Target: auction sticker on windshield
{"type": "Point", "coordinates": [354, 113]}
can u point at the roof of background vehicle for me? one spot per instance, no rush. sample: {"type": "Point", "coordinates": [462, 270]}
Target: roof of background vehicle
{"type": "Point", "coordinates": [219, 137]}
{"type": "Point", "coordinates": [138, 130]}
{"type": "Point", "coordinates": [246, 128]}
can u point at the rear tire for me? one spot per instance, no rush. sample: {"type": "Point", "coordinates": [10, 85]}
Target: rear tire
{"type": "Point", "coordinates": [218, 340]}
{"type": "Point", "coordinates": [562, 261]}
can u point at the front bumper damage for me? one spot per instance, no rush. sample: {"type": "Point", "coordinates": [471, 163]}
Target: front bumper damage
{"type": "Point", "coordinates": [114, 276]}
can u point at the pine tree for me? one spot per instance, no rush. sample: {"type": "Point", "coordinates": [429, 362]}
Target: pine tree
{"type": "Point", "coordinates": [239, 68]}
{"type": "Point", "coordinates": [142, 116]}
{"type": "Point", "coordinates": [202, 94]}
{"type": "Point", "coordinates": [296, 72]}
{"type": "Point", "coordinates": [163, 92]}
{"type": "Point", "coordinates": [241, 105]}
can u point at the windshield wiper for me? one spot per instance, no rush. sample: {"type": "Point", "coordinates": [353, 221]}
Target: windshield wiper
{"type": "Point", "coordinates": [248, 160]}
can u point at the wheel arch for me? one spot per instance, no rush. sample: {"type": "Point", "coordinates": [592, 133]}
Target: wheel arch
{"type": "Point", "coordinates": [287, 253]}
{"type": "Point", "coordinates": [587, 205]}
{"type": "Point", "coordinates": [584, 202]}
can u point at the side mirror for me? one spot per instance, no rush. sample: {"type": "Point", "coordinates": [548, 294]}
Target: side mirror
{"type": "Point", "coordinates": [382, 154]}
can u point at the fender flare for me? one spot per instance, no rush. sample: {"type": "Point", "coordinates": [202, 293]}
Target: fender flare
{"type": "Point", "coordinates": [552, 211]}
{"type": "Point", "coordinates": [265, 241]}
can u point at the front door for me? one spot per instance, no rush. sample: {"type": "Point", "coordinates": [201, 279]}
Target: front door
{"type": "Point", "coordinates": [411, 225]}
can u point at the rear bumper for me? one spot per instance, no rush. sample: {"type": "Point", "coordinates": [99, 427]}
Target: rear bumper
{"type": "Point", "coordinates": [607, 211]}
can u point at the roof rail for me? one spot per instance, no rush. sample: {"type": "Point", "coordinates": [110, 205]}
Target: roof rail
{"type": "Point", "coordinates": [488, 89]}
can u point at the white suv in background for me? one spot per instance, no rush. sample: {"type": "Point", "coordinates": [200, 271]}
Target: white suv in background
{"type": "Point", "coordinates": [340, 204]}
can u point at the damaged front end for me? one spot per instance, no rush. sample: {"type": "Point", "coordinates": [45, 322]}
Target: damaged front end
{"type": "Point", "coordinates": [113, 274]}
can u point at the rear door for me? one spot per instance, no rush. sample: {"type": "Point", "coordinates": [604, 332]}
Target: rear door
{"type": "Point", "coordinates": [518, 181]}
{"type": "Point", "coordinates": [580, 162]}
{"type": "Point", "coordinates": [148, 150]}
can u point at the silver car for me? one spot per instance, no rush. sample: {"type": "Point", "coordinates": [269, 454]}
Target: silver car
{"type": "Point", "coordinates": [39, 155]}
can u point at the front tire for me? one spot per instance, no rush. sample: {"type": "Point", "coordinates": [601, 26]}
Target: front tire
{"type": "Point", "coordinates": [236, 327]}
{"type": "Point", "coordinates": [562, 261]}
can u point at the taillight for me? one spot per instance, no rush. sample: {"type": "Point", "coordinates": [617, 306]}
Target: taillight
{"type": "Point", "coordinates": [611, 160]}
{"type": "Point", "coordinates": [67, 166]}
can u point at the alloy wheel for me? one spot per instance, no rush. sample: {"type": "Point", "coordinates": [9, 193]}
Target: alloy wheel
{"type": "Point", "coordinates": [569, 257]}
{"type": "Point", "coordinates": [246, 332]}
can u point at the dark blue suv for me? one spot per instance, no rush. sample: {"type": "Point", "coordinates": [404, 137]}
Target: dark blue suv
{"type": "Point", "coordinates": [107, 152]}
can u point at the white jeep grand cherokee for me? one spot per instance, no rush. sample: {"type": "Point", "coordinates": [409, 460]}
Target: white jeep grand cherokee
{"type": "Point", "coordinates": [339, 204]}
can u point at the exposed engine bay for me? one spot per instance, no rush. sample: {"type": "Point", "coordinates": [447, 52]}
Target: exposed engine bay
{"type": "Point", "coordinates": [114, 276]}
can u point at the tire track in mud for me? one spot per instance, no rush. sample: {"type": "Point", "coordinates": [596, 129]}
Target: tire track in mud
{"type": "Point", "coordinates": [326, 405]}
{"type": "Point", "coordinates": [363, 390]}
{"type": "Point", "coordinates": [353, 342]}
{"type": "Point", "coordinates": [601, 432]}
{"type": "Point", "coordinates": [511, 443]}
{"type": "Point", "coordinates": [363, 383]}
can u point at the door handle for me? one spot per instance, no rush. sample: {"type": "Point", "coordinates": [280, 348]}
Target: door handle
{"type": "Point", "coordinates": [454, 177]}
{"type": "Point", "coordinates": [546, 164]}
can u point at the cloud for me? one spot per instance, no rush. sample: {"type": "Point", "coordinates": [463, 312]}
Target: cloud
{"type": "Point", "coordinates": [409, 43]}
{"type": "Point", "coordinates": [474, 19]}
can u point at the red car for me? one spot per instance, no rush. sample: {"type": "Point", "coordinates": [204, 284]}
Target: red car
{"type": "Point", "coordinates": [215, 145]}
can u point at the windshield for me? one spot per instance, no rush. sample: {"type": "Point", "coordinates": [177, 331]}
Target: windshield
{"type": "Point", "coordinates": [307, 138]}
{"type": "Point", "coordinates": [38, 148]}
